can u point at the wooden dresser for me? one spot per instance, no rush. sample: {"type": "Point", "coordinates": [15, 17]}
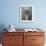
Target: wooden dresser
{"type": "Point", "coordinates": [23, 38]}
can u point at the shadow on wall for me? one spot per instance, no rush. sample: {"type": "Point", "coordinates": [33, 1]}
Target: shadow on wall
{"type": "Point", "coordinates": [2, 26]}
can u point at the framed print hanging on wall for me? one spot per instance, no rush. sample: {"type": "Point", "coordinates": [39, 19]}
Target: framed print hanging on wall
{"type": "Point", "coordinates": [26, 13]}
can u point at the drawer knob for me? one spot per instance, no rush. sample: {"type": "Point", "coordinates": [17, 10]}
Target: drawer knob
{"type": "Point", "coordinates": [33, 39]}
{"type": "Point", "coordinates": [11, 38]}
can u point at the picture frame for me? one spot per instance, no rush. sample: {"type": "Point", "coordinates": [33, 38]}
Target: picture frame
{"type": "Point", "coordinates": [27, 13]}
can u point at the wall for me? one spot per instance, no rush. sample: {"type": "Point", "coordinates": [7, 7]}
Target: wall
{"type": "Point", "coordinates": [10, 13]}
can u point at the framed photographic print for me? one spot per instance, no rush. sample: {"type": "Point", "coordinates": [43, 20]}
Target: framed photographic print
{"type": "Point", "coordinates": [26, 13]}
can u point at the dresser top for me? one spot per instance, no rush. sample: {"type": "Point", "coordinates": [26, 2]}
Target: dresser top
{"type": "Point", "coordinates": [22, 30]}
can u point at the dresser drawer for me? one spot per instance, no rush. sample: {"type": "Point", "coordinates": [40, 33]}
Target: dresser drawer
{"type": "Point", "coordinates": [13, 44]}
{"type": "Point", "coordinates": [34, 33]}
{"type": "Point", "coordinates": [12, 39]}
{"type": "Point", "coordinates": [13, 33]}
{"type": "Point", "coordinates": [37, 44]}
{"type": "Point", "coordinates": [37, 39]}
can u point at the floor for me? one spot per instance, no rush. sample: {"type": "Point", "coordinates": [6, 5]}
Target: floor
{"type": "Point", "coordinates": [0, 44]}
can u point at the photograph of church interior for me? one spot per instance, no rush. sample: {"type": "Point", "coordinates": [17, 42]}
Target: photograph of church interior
{"type": "Point", "coordinates": [22, 22]}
